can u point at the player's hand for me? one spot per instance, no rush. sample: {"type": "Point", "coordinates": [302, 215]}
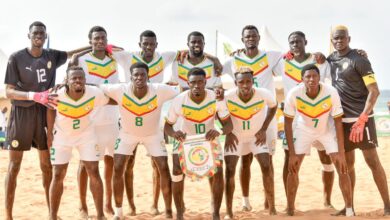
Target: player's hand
{"type": "Point", "coordinates": [181, 56]}
{"type": "Point", "coordinates": [340, 161]}
{"type": "Point", "coordinates": [110, 48]}
{"type": "Point", "coordinates": [261, 137]}
{"type": "Point", "coordinates": [320, 57]}
{"type": "Point", "coordinates": [212, 134]}
{"type": "Point", "coordinates": [357, 129]}
{"type": "Point", "coordinates": [293, 163]}
{"type": "Point", "coordinates": [231, 142]}
{"type": "Point", "coordinates": [242, 50]}
{"type": "Point", "coordinates": [217, 64]}
{"type": "Point", "coordinates": [362, 53]}
{"type": "Point", "coordinates": [179, 135]}
{"type": "Point", "coordinates": [288, 56]}
{"type": "Point", "coordinates": [41, 97]}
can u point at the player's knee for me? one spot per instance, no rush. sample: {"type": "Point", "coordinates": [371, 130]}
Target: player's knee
{"type": "Point", "coordinates": [373, 163]}
{"type": "Point", "coordinates": [59, 174]}
{"type": "Point", "coordinates": [177, 178]}
{"type": "Point", "coordinates": [327, 167]}
{"type": "Point", "coordinates": [230, 170]}
{"type": "Point", "coordinates": [14, 167]}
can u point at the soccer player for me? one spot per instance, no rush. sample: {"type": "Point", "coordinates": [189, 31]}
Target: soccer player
{"type": "Point", "coordinates": [140, 108]}
{"type": "Point", "coordinates": [196, 109]}
{"type": "Point", "coordinates": [314, 105]}
{"type": "Point", "coordinates": [30, 72]}
{"type": "Point", "coordinates": [196, 58]}
{"type": "Point", "coordinates": [157, 63]}
{"type": "Point", "coordinates": [354, 79]}
{"type": "Point", "coordinates": [100, 68]}
{"type": "Point", "coordinates": [290, 70]}
{"type": "Point", "coordinates": [262, 63]}
{"type": "Point", "coordinates": [72, 125]}
{"type": "Point", "coordinates": [252, 110]}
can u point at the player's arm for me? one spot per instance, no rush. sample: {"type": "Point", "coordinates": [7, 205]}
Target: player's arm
{"type": "Point", "coordinates": [50, 118]}
{"type": "Point", "coordinates": [217, 64]}
{"type": "Point", "coordinates": [373, 93]}
{"type": "Point", "coordinates": [78, 50]}
{"type": "Point", "coordinates": [261, 134]}
{"type": "Point", "coordinates": [178, 135]}
{"type": "Point", "coordinates": [14, 94]}
{"type": "Point", "coordinates": [74, 60]}
{"type": "Point", "coordinates": [44, 98]}
{"type": "Point", "coordinates": [340, 143]}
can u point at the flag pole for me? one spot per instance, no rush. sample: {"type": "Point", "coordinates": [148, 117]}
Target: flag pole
{"type": "Point", "coordinates": [216, 43]}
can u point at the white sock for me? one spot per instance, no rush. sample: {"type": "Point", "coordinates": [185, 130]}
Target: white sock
{"type": "Point", "coordinates": [118, 211]}
{"type": "Point", "coordinates": [349, 212]}
{"type": "Point", "coordinates": [245, 202]}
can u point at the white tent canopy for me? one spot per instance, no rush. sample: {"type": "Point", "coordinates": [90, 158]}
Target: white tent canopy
{"type": "Point", "coordinates": [3, 67]}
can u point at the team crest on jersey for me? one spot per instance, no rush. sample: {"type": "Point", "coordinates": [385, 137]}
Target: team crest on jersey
{"type": "Point", "coordinates": [49, 64]}
{"type": "Point", "coordinates": [199, 114]}
{"type": "Point", "coordinates": [345, 65]}
{"type": "Point", "coordinates": [325, 106]}
{"type": "Point", "coordinates": [15, 143]}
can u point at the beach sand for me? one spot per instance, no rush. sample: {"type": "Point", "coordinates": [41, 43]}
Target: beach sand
{"type": "Point", "coordinates": [30, 203]}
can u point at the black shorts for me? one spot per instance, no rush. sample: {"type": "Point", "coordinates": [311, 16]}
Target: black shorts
{"type": "Point", "coordinates": [27, 128]}
{"type": "Point", "coordinates": [369, 136]}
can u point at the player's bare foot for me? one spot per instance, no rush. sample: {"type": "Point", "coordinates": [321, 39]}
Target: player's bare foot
{"type": "Point", "coordinates": [272, 211]}
{"type": "Point", "coordinates": [83, 213]}
{"type": "Point", "coordinates": [179, 216]}
{"type": "Point", "coordinates": [228, 217]}
{"type": "Point", "coordinates": [168, 213]}
{"type": "Point", "coordinates": [328, 205]}
{"type": "Point", "coordinates": [132, 212]}
{"type": "Point", "coordinates": [246, 208]}
{"type": "Point", "coordinates": [117, 218]}
{"type": "Point", "coordinates": [101, 218]}
{"type": "Point", "coordinates": [266, 205]}
{"type": "Point", "coordinates": [290, 212]}
{"type": "Point", "coordinates": [216, 216]}
{"type": "Point", "coordinates": [342, 212]}
{"type": "Point", "coordinates": [386, 211]}
{"type": "Point", "coordinates": [109, 210]}
{"type": "Point", "coordinates": [154, 211]}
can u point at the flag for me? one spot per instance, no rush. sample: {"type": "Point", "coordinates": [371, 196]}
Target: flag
{"type": "Point", "coordinates": [225, 46]}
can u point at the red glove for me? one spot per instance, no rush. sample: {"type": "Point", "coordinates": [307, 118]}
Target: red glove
{"type": "Point", "coordinates": [43, 98]}
{"type": "Point", "coordinates": [288, 56]}
{"type": "Point", "coordinates": [109, 49]}
{"type": "Point", "coordinates": [357, 129]}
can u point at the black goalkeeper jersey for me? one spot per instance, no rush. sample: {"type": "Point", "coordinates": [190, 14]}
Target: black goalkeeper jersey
{"type": "Point", "coordinates": [35, 74]}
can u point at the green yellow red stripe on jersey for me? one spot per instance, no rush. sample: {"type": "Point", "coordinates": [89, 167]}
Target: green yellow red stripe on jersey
{"type": "Point", "coordinates": [137, 108]}
{"type": "Point", "coordinates": [199, 114]}
{"type": "Point", "coordinates": [258, 65]}
{"type": "Point", "coordinates": [76, 111]}
{"type": "Point", "coordinates": [183, 71]}
{"type": "Point", "coordinates": [101, 70]}
{"type": "Point", "coordinates": [154, 68]}
{"type": "Point", "coordinates": [314, 110]}
{"type": "Point", "coordinates": [244, 112]}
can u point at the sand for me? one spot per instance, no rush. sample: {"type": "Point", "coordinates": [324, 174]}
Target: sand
{"type": "Point", "coordinates": [30, 203]}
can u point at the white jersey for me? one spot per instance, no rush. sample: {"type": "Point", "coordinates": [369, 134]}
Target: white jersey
{"type": "Point", "coordinates": [97, 72]}
{"type": "Point", "coordinates": [74, 119]}
{"type": "Point", "coordinates": [140, 117]}
{"type": "Point", "coordinates": [313, 115]}
{"type": "Point", "coordinates": [196, 118]}
{"type": "Point", "coordinates": [262, 66]}
{"type": "Point", "coordinates": [290, 70]}
{"type": "Point", "coordinates": [156, 67]}
{"type": "Point", "coordinates": [180, 71]}
{"type": "Point", "coordinates": [248, 117]}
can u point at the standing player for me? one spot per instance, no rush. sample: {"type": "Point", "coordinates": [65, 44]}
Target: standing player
{"type": "Point", "coordinates": [30, 72]}
{"type": "Point", "coordinates": [290, 70]}
{"type": "Point", "coordinates": [354, 79]}
{"type": "Point", "coordinates": [252, 110]}
{"type": "Point", "coordinates": [140, 109]}
{"type": "Point", "coordinates": [196, 109]}
{"type": "Point", "coordinates": [100, 68]}
{"type": "Point", "coordinates": [262, 63]}
{"type": "Point", "coordinates": [314, 104]}
{"type": "Point", "coordinates": [196, 58]}
{"type": "Point", "coordinates": [72, 125]}
{"type": "Point", "coordinates": [157, 63]}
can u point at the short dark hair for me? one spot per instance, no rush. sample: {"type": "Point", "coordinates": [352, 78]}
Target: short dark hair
{"type": "Point", "coordinates": [96, 29]}
{"type": "Point", "coordinates": [195, 33]}
{"type": "Point", "coordinates": [73, 68]}
{"type": "Point", "coordinates": [299, 33]}
{"type": "Point", "coordinates": [147, 33]}
{"type": "Point", "coordinates": [38, 24]}
{"type": "Point", "coordinates": [309, 67]}
{"type": "Point", "coordinates": [139, 65]}
{"type": "Point", "coordinates": [196, 71]}
{"type": "Point", "coordinates": [249, 27]}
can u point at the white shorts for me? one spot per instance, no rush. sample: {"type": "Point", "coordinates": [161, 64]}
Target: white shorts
{"type": "Point", "coordinates": [155, 145]}
{"type": "Point", "coordinates": [106, 137]}
{"type": "Point", "coordinates": [61, 154]}
{"type": "Point", "coordinates": [246, 146]}
{"type": "Point", "coordinates": [316, 144]}
{"type": "Point", "coordinates": [271, 135]}
{"type": "Point", "coordinates": [304, 141]}
{"type": "Point", "coordinates": [176, 144]}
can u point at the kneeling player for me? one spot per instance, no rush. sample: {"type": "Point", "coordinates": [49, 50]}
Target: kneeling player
{"type": "Point", "coordinates": [314, 104]}
{"type": "Point", "coordinates": [71, 125]}
{"type": "Point", "coordinates": [252, 110]}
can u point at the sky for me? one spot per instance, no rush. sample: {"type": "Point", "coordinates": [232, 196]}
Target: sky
{"type": "Point", "coordinates": [68, 23]}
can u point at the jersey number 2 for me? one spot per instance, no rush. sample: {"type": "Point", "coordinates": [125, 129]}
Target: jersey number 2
{"type": "Point", "coordinates": [76, 124]}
